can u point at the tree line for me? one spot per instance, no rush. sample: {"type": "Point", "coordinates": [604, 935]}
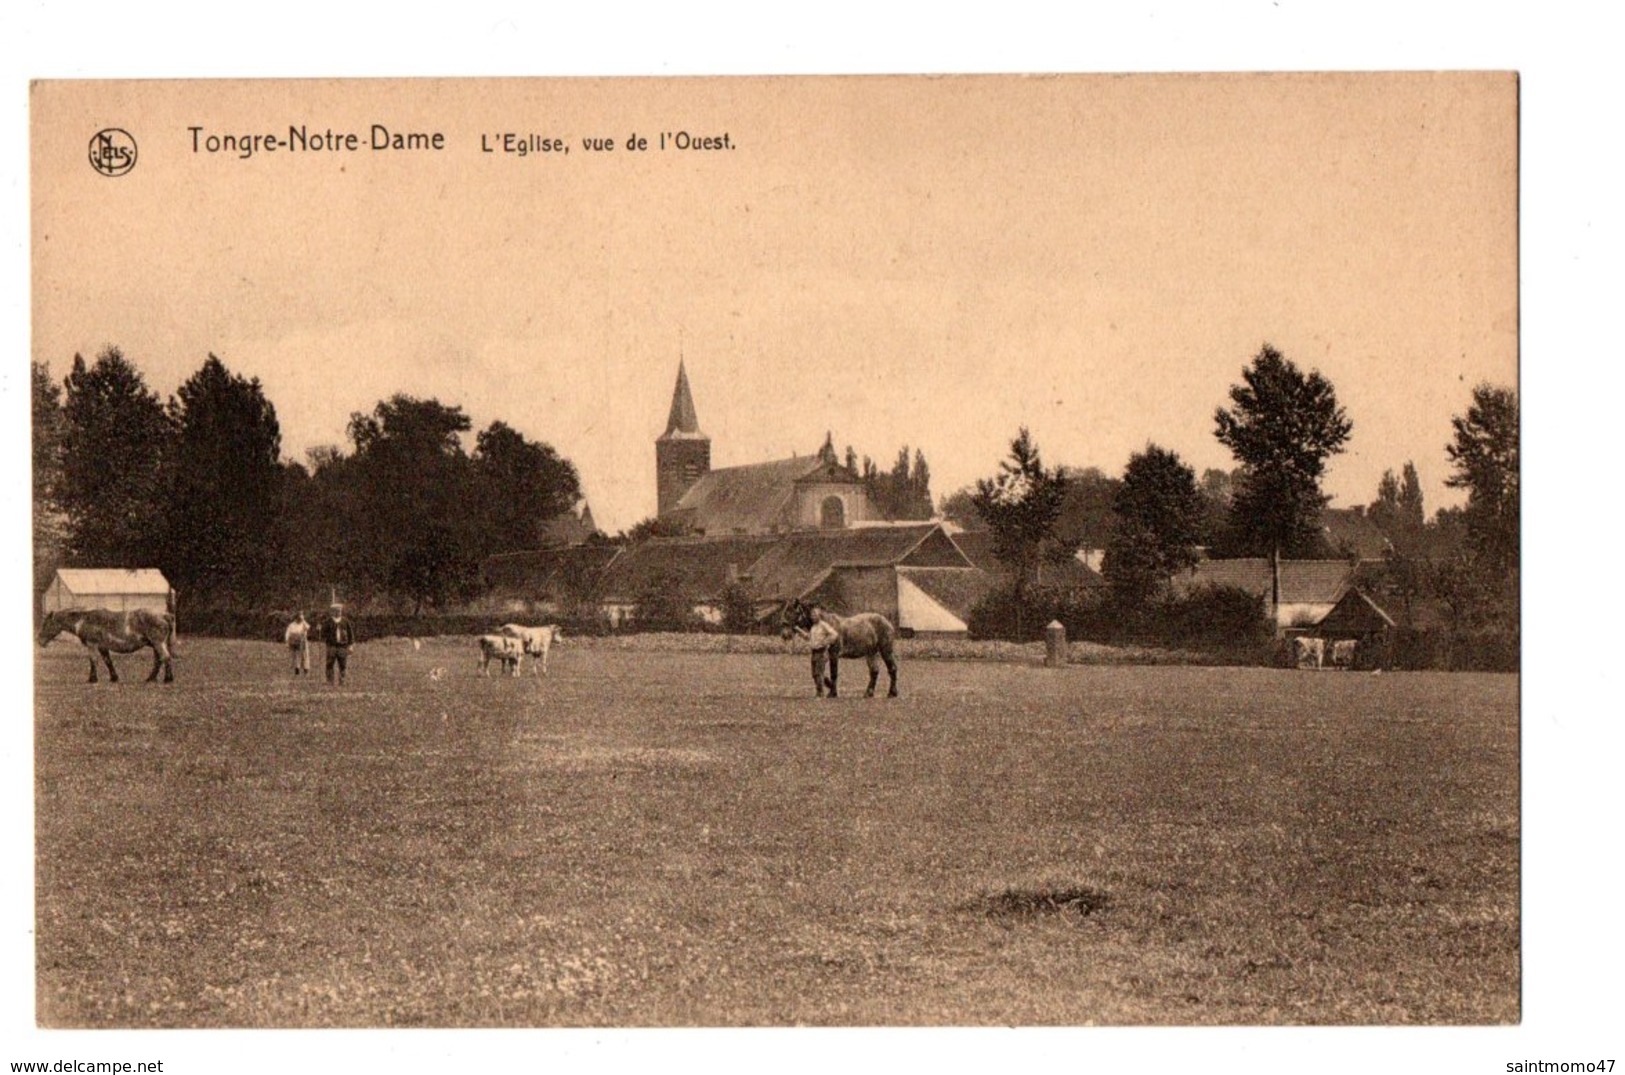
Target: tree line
{"type": "Point", "coordinates": [1282, 426]}
{"type": "Point", "coordinates": [197, 487]}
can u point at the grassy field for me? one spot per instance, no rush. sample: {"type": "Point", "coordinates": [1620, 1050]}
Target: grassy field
{"type": "Point", "coordinates": [668, 838]}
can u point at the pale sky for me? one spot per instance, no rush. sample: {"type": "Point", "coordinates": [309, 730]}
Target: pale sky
{"type": "Point", "coordinates": [922, 261]}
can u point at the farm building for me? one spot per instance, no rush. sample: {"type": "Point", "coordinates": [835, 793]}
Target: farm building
{"type": "Point", "coordinates": [700, 569]}
{"type": "Point", "coordinates": [118, 589]}
{"type": "Point", "coordinates": [1309, 588]}
{"type": "Point", "coordinates": [911, 573]}
{"type": "Point", "coordinates": [1356, 617]}
{"type": "Point", "coordinates": [1318, 597]}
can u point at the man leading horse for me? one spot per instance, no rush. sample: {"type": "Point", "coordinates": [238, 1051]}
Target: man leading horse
{"type": "Point", "coordinates": [868, 635]}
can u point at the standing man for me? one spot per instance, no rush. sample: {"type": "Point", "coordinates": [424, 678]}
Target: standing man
{"type": "Point", "coordinates": [297, 636]}
{"type": "Point", "coordinates": [338, 635]}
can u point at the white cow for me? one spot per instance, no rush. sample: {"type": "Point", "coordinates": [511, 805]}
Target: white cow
{"type": "Point", "coordinates": [509, 651]}
{"type": "Point", "coordinates": [536, 641]}
{"type": "Point", "coordinates": [1308, 652]}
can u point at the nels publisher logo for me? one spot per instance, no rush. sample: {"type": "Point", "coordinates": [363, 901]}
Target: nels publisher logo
{"type": "Point", "coordinates": [112, 152]}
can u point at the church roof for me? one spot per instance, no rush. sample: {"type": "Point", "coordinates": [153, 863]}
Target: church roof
{"type": "Point", "coordinates": [682, 423]}
{"type": "Point", "coordinates": [753, 498]}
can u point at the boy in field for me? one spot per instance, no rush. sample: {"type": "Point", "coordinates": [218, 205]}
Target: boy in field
{"type": "Point", "coordinates": [297, 636]}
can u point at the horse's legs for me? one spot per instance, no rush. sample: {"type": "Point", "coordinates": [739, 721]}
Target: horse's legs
{"type": "Point", "coordinates": [160, 659]}
{"type": "Point", "coordinates": [891, 670]}
{"type": "Point", "coordinates": [92, 655]}
{"type": "Point", "coordinates": [874, 675]}
{"type": "Point", "coordinates": [112, 673]}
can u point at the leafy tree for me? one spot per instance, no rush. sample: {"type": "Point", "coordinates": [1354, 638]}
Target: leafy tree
{"type": "Point", "coordinates": [1021, 505]}
{"type": "Point", "coordinates": [903, 492]}
{"type": "Point", "coordinates": [1485, 455]}
{"type": "Point", "coordinates": [225, 486]}
{"type": "Point", "coordinates": [661, 605]}
{"type": "Point", "coordinates": [1158, 523]}
{"type": "Point", "coordinates": [1281, 427]}
{"type": "Point", "coordinates": [1086, 513]}
{"type": "Point", "coordinates": [655, 526]}
{"type": "Point", "coordinates": [525, 484]}
{"type": "Point", "coordinates": [738, 608]}
{"type": "Point", "coordinates": [418, 495]}
{"type": "Point", "coordinates": [50, 522]}
{"type": "Point", "coordinates": [1398, 510]}
{"type": "Point", "coordinates": [116, 439]}
{"type": "Point", "coordinates": [959, 507]}
{"type": "Point", "coordinates": [1218, 489]}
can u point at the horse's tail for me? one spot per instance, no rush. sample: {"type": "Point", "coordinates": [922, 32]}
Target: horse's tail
{"type": "Point", "coordinates": [173, 641]}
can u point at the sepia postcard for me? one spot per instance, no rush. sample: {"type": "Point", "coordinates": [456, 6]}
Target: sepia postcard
{"type": "Point", "coordinates": [961, 551]}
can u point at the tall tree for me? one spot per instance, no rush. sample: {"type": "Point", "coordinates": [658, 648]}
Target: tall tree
{"type": "Point", "coordinates": [1021, 505]}
{"type": "Point", "coordinates": [1398, 511]}
{"type": "Point", "coordinates": [526, 483]}
{"type": "Point", "coordinates": [1484, 453]}
{"type": "Point", "coordinates": [1086, 514]}
{"type": "Point", "coordinates": [225, 487]}
{"type": "Point", "coordinates": [420, 518]}
{"type": "Point", "coordinates": [116, 439]}
{"type": "Point", "coordinates": [1158, 517]}
{"type": "Point", "coordinates": [50, 522]}
{"type": "Point", "coordinates": [1282, 426]}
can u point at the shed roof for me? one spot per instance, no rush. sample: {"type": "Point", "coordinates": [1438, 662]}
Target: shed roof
{"type": "Point", "coordinates": [88, 581]}
{"type": "Point", "coordinates": [956, 589]}
{"type": "Point", "coordinates": [1355, 613]}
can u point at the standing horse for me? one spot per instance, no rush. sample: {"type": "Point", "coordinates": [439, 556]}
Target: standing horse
{"type": "Point", "coordinates": [106, 632]}
{"type": "Point", "coordinates": [868, 635]}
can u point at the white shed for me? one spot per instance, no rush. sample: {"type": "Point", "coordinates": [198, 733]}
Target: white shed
{"type": "Point", "coordinates": [118, 589]}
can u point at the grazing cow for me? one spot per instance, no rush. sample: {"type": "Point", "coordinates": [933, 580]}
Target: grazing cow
{"type": "Point", "coordinates": [868, 635]}
{"type": "Point", "coordinates": [509, 651]}
{"type": "Point", "coordinates": [106, 632]}
{"type": "Point", "coordinates": [536, 641]}
{"type": "Point", "coordinates": [1308, 652]}
{"type": "Point", "coordinates": [1343, 652]}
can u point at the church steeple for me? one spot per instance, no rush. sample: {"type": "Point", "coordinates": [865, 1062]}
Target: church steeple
{"type": "Point", "coordinates": [682, 452]}
{"type": "Point", "coordinates": [682, 422]}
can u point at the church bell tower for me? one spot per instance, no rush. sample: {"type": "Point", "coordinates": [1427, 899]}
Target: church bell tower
{"type": "Point", "coordinates": [682, 452]}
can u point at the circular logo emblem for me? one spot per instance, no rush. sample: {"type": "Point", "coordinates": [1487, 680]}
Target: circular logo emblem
{"type": "Point", "coordinates": [112, 152]}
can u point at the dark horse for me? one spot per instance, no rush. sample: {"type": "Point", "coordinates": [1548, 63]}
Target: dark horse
{"type": "Point", "coordinates": [868, 635]}
{"type": "Point", "coordinates": [108, 632]}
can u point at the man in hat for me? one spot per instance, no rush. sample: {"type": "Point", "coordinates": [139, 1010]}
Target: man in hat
{"type": "Point", "coordinates": [338, 635]}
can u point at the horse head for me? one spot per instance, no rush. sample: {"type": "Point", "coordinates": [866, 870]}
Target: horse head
{"type": "Point", "coordinates": [53, 624]}
{"type": "Point", "coordinates": [797, 617]}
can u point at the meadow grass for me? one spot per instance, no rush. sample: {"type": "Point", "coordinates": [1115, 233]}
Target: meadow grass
{"type": "Point", "coordinates": [669, 838]}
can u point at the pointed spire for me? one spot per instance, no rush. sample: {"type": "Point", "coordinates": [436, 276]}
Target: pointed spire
{"type": "Point", "coordinates": [682, 421]}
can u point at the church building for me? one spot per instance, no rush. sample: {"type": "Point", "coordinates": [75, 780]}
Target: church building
{"type": "Point", "coordinates": [808, 492]}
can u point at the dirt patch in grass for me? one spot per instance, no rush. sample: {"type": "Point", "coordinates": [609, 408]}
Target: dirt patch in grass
{"type": "Point", "coordinates": [1025, 903]}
